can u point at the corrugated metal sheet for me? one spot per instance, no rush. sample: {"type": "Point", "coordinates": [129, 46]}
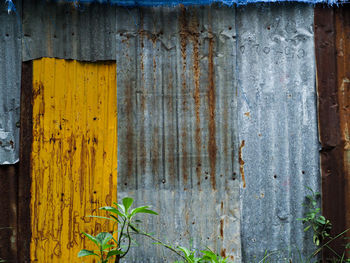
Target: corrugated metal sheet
{"type": "Point", "coordinates": [333, 78]}
{"type": "Point", "coordinates": [63, 31]}
{"type": "Point", "coordinates": [343, 67]}
{"type": "Point", "coordinates": [10, 78]}
{"type": "Point", "coordinates": [277, 121]}
{"type": "Point", "coordinates": [74, 155]}
{"type": "Point", "coordinates": [177, 126]}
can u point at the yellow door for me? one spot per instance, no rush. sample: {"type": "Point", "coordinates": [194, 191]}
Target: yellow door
{"type": "Point", "coordinates": [74, 155]}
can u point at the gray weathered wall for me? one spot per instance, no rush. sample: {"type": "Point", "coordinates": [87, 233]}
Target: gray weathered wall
{"type": "Point", "coordinates": [177, 125]}
{"type": "Point", "coordinates": [277, 122]}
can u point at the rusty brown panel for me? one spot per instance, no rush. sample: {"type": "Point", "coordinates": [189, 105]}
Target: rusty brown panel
{"type": "Point", "coordinates": [8, 208]}
{"type": "Point", "coordinates": [342, 22]}
{"type": "Point", "coordinates": [330, 133]}
{"type": "Point", "coordinates": [24, 180]}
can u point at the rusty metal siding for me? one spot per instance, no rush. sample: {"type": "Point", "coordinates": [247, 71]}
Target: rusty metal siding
{"type": "Point", "coordinates": [10, 78]}
{"type": "Point", "coordinates": [177, 125]}
{"type": "Point", "coordinates": [63, 31]}
{"type": "Point", "coordinates": [277, 122]}
{"type": "Point", "coordinates": [332, 56]}
{"type": "Point", "coordinates": [8, 208]}
{"type": "Point", "coordinates": [74, 155]}
{"type": "Point", "coordinates": [342, 22]}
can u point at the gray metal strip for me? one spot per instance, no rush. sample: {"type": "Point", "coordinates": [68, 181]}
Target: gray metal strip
{"type": "Point", "coordinates": [64, 31]}
{"type": "Point", "coordinates": [10, 81]}
{"type": "Point", "coordinates": [177, 126]}
{"type": "Point", "coordinates": [277, 128]}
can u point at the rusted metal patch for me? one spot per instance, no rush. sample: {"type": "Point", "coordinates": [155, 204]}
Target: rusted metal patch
{"type": "Point", "coordinates": [24, 180]}
{"type": "Point", "coordinates": [8, 208]}
{"type": "Point", "coordinates": [332, 55]}
{"type": "Point", "coordinates": [342, 23]}
{"type": "Point", "coordinates": [241, 163]}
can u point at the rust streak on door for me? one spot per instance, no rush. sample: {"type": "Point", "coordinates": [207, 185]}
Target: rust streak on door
{"type": "Point", "coordinates": [73, 157]}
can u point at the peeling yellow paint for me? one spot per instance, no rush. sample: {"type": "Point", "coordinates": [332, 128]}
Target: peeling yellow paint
{"type": "Point", "coordinates": [74, 155]}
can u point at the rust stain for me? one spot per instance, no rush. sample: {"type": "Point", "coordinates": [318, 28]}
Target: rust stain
{"type": "Point", "coordinates": [196, 70]}
{"type": "Point", "coordinates": [212, 148]}
{"type": "Point", "coordinates": [241, 163]}
{"type": "Point", "coordinates": [222, 228]}
{"type": "Point", "coordinates": [223, 252]}
{"type": "Point", "coordinates": [183, 40]}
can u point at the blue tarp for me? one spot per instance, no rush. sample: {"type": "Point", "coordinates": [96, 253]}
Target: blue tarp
{"type": "Point", "coordinates": [196, 2]}
{"type": "Point", "coordinates": [133, 3]}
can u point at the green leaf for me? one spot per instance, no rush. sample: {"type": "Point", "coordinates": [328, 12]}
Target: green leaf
{"type": "Point", "coordinates": [103, 238]}
{"type": "Point", "coordinates": [142, 209]}
{"type": "Point", "coordinates": [122, 209]}
{"type": "Point", "coordinates": [114, 210]}
{"type": "Point", "coordinates": [307, 228]}
{"type": "Point", "coordinates": [92, 238]}
{"type": "Point", "coordinates": [114, 253]}
{"type": "Point", "coordinates": [85, 252]}
{"type": "Point", "coordinates": [103, 217]}
{"type": "Point", "coordinates": [186, 251]}
{"type": "Point", "coordinates": [127, 202]}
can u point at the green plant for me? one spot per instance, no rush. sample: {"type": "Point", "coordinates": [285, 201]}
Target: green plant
{"type": "Point", "coordinates": [188, 255]}
{"type": "Point", "coordinates": [321, 228]}
{"type": "Point", "coordinates": [208, 256]}
{"type": "Point", "coordinates": [211, 257]}
{"type": "Point", "coordinates": [108, 246]}
{"type": "Point", "coordinates": [314, 219]}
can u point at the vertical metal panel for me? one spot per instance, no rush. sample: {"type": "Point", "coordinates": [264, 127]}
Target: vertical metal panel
{"type": "Point", "coordinates": [277, 123]}
{"type": "Point", "coordinates": [8, 208]}
{"type": "Point", "coordinates": [10, 77]}
{"type": "Point", "coordinates": [74, 154]}
{"type": "Point", "coordinates": [331, 39]}
{"type": "Point", "coordinates": [64, 31]}
{"type": "Point", "coordinates": [24, 180]}
{"type": "Point", "coordinates": [342, 22]}
{"type": "Point", "coordinates": [177, 125]}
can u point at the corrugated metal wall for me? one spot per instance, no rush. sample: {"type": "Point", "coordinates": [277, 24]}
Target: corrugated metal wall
{"type": "Point", "coordinates": [177, 125]}
{"type": "Point", "coordinates": [164, 120]}
{"type": "Point", "coordinates": [74, 155]}
{"type": "Point", "coordinates": [277, 122]}
{"type": "Point", "coordinates": [10, 78]}
{"type": "Point", "coordinates": [217, 117]}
